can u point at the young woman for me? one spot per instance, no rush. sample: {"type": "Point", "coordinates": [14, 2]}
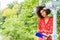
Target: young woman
{"type": "Point", "coordinates": [45, 23]}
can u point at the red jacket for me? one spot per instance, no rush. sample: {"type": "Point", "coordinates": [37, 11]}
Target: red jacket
{"type": "Point", "coordinates": [45, 27]}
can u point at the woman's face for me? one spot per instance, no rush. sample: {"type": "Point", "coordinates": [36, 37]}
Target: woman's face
{"type": "Point", "coordinates": [43, 13]}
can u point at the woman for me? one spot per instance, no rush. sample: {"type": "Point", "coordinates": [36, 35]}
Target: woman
{"type": "Point", "coordinates": [45, 23]}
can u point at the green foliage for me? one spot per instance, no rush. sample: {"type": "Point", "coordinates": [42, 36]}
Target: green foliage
{"type": "Point", "coordinates": [22, 27]}
{"type": "Point", "coordinates": [58, 23]}
{"type": "Point", "coordinates": [10, 12]}
{"type": "Point", "coordinates": [10, 5]}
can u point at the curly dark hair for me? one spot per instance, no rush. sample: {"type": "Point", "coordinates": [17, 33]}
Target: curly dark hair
{"type": "Point", "coordinates": [48, 11]}
{"type": "Point", "coordinates": [39, 8]}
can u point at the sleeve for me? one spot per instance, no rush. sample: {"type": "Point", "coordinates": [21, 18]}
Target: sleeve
{"type": "Point", "coordinates": [39, 28]}
{"type": "Point", "coordinates": [50, 30]}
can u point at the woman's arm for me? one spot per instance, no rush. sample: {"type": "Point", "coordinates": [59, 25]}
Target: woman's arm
{"type": "Point", "coordinates": [39, 28]}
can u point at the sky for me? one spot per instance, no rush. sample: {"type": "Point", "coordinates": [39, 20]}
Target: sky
{"type": "Point", "coordinates": [3, 3]}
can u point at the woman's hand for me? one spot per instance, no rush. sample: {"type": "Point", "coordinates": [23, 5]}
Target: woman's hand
{"type": "Point", "coordinates": [45, 38]}
{"type": "Point", "coordinates": [49, 35]}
